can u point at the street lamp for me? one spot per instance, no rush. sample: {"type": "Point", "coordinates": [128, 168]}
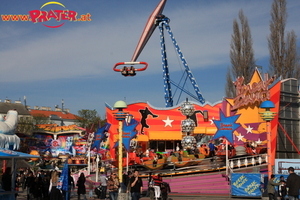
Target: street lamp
{"type": "Point", "coordinates": [268, 116]}
{"type": "Point", "coordinates": [120, 116]}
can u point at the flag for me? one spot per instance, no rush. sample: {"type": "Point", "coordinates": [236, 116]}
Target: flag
{"type": "Point", "coordinates": [100, 135]}
{"type": "Point", "coordinates": [63, 181]}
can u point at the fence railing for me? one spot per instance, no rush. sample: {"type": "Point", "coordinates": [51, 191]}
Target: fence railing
{"type": "Point", "coordinates": [246, 162]}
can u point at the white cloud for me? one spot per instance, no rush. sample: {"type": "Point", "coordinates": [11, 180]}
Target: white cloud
{"type": "Point", "coordinates": [202, 28]}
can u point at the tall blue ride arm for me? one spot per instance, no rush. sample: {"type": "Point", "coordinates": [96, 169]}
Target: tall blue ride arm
{"type": "Point", "coordinates": [166, 74]}
{"type": "Point", "coordinates": [164, 22]}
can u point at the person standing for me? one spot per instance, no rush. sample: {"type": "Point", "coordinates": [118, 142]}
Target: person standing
{"type": "Point", "coordinates": [150, 185]}
{"type": "Point", "coordinates": [136, 186]}
{"type": "Point", "coordinates": [271, 189]}
{"type": "Point", "coordinates": [81, 190]}
{"type": "Point", "coordinates": [37, 187]}
{"type": "Point", "coordinates": [127, 184]}
{"type": "Point", "coordinates": [71, 184]}
{"type": "Point", "coordinates": [29, 182]}
{"type": "Point", "coordinates": [45, 187]}
{"type": "Point", "coordinates": [22, 180]}
{"type": "Point", "coordinates": [55, 193]}
{"type": "Point", "coordinates": [157, 184]}
{"type": "Point", "coordinates": [177, 147]}
{"type": "Point", "coordinates": [212, 149]}
{"type": "Point", "coordinates": [6, 179]}
{"type": "Point", "coordinates": [282, 188]}
{"type": "Point", "coordinates": [147, 153]}
{"type": "Point", "coordinates": [6, 183]}
{"type": "Point", "coordinates": [293, 184]}
{"type": "Point", "coordinates": [103, 181]}
{"type": "Point", "coordinates": [113, 185]}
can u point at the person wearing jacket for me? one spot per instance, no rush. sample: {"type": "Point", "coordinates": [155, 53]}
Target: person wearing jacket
{"type": "Point", "coordinates": [157, 179]}
{"type": "Point", "coordinates": [81, 186]}
{"type": "Point", "coordinates": [271, 188]}
{"type": "Point", "coordinates": [293, 184]}
{"type": "Point", "coordinates": [113, 185]}
{"type": "Point", "coordinates": [136, 186]}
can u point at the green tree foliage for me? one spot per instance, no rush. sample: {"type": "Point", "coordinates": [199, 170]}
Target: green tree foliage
{"type": "Point", "coordinates": [284, 60]}
{"type": "Point", "coordinates": [88, 118]}
{"type": "Point", "coordinates": [241, 54]}
{"type": "Point", "coordinates": [40, 119]}
{"type": "Point", "coordinates": [25, 125]}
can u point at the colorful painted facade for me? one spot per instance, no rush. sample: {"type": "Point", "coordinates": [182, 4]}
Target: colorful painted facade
{"type": "Point", "coordinates": [165, 123]}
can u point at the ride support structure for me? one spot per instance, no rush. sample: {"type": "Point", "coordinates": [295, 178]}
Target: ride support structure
{"type": "Point", "coordinates": [163, 22]}
{"type": "Point", "coordinates": [160, 20]}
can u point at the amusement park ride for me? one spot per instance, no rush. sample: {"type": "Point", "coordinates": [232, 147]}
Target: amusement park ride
{"type": "Point", "coordinates": [158, 19]}
{"type": "Point", "coordinates": [179, 159]}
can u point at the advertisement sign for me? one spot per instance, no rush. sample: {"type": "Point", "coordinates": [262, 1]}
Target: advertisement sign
{"type": "Point", "coordinates": [282, 165]}
{"type": "Point", "coordinates": [246, 185]}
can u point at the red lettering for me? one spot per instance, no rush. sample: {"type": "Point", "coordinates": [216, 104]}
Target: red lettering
{"type": "Point", "coordinates": [34, 15]}
{"type": "Point", "coordinates": [64, 15]}
{"type": "Point", "coordinates": [43, 16]}
{"type": "Point", "coordinates": [51, 14]}
{"type": "Point", "coordinates": [246, 94]}
{"type": "Point", "coordinates": [72, 15]}
{"type": "Point", "coordinates": [226, 129]}
{"type": "Point", "coordinates": [58, 14]}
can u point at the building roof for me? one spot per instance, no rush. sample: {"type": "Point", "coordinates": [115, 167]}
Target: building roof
{"type": "Point", "coordinates": [60, 114]}
{"type": "Point", "coordinates": [21, 109]}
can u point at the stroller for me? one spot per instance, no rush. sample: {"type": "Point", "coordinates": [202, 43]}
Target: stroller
{"type": "Point", "coordinates": [98, 191]}
{"type": "Point", "coordinates": [165, 189]}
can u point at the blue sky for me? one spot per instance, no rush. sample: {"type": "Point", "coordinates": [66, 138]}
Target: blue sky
{"type": "Point", "coordinates": [74, 62]}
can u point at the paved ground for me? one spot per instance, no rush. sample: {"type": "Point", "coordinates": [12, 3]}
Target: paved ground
{"type": "Point", "coordinates": [23, 196]}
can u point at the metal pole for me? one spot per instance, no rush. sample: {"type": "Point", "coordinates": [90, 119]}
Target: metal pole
{"type": "Point", "coordinates": [127, 159]}
{"type": "Point", "coordinates": [269, 148]}
{"type": "Point", "coordinates": [120, 151]}
{"type": "Point", "coordinates": [226, 149]}
{"type": "Point", "coordinates": [89, 160]}
{"type": "Point", "coordinates": [97, 169]}
{"type": "Point", "coordinates": [13, 174]}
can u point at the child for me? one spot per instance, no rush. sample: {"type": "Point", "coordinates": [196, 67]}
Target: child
{"type": "Point", "coordinates": [282, 188]}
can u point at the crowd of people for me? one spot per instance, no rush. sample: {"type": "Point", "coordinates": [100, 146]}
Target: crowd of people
{"type": "Point", "coordinates": [287, 189]}
{"type": "Point", "coordinates": [39, 185]}
{"type": "Point", "coordinates": [132, 185]}
{"type": "Point", "coordinates": [42, 185]}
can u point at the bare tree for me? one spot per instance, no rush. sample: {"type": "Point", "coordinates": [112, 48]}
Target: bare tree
{"type": "Point", "coordinates": [230, 88]}
{"type": "Point", "coordinates": [241, 54]}
{"type": "Point", "coordinates": [284, 60]}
